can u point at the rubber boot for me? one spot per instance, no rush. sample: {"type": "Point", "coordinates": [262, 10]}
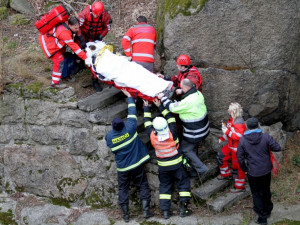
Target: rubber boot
{"type": "Point", "coordinates": [96, 85]}
{"type": "Point", "coordinates": [167, 214]}
{"type": "Point", "coordinates": [184, 211]}
{"type": "Point", "coordinates": [146, 209]}
{"type": "Point", "coordinates": [125, 210]}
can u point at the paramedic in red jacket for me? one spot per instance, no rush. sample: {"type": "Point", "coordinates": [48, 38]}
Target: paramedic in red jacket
{"type": "Point", "coordinates": [232, 132]}
{"type": "Point", "coordinates": [94, 22]}
{"type": "Point", "coordinates": [185, 70]}
{"type": "Point", "coordinates": [139, 43]}
{"type": "Point", "coordinates": [54, 44]}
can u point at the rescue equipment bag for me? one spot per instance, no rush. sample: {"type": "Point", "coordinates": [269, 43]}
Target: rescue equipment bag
{"type": "Point", "coordinates": [47, 21]}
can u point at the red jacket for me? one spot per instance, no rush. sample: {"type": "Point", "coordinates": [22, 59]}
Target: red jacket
{"type": "Point", "coordinates": [91, 27]}
{"type": "Point", "coordinates": [235, 130]}
{"type": "Point", "coordinates": [192, 74]}
{"type": "Point", "coordinates": [57, 39]}
{"type": "Point", "coordinates": [142, 40]}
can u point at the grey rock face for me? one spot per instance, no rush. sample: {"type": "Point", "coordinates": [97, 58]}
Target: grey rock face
{"type": "Point", "coordinates": [237, 34]}
{"type": "Point", "coordinates": [44, 171]}
{"type": "Point", "coordinates": [22, 6]}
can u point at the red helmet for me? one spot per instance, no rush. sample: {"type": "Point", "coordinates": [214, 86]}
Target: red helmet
{"type": "Point", "coordinates": [183, 60]}
{"type": "Point", "coordinates": [97, 8]}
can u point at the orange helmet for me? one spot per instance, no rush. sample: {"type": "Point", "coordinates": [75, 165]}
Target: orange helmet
{"type": "Point", "coordinates": [183, 60]}
{"type": "Point", "coordinates": [97, 8]}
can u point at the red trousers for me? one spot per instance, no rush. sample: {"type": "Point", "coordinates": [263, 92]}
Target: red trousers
{"type": "Point", "coordinates": [58, 65]}
{"type": "Point", "coordinates": [224, 156]}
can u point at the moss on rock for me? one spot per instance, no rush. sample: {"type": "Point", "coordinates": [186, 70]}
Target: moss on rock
{"type": "Point", "coordinates": [7, 218]}
{"type": "Point", "coordinates": [3, 13]}
{"type": "Point", "coordinates": [19, 19]}
{"type": "Point", "coordinates": [35, 87]}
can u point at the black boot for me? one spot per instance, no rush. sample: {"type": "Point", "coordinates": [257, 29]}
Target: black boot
{"type": "Point", "coordinates": [96, 85]}
{"type": "Point", "coordinates": [146, 209]}
{"type": "Point", "coordinates": [167, 214]}
{"type": "Point", "coordinates": [125, 210]}
{"type": "Point", "coordinates": [184, 211]}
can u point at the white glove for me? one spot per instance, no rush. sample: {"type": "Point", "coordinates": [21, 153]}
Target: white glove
{"type": "Point", "coordinates": [88, 62]}
{"type": "Point", "coordinates": [220, 141]}
{"type": "Point", "coordinates": [129, 58]}
{"type": "Point", "coordinates": [224, 129]}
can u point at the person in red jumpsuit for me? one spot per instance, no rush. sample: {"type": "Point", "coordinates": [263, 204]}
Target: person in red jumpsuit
{"type": "Point", "coordinates": [53, 44]}
{"type": "Point", "coordinates": [139, 43]}
{"type": "Point", "coordinates": [232, 132]}
{"type": "Point", "coordinates": [95, 22]}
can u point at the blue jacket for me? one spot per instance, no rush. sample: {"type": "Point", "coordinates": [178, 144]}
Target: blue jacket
{"type": "Point", "coordinates": [130, 152]}
{"type": "Point", "coordinates": [253, 152]}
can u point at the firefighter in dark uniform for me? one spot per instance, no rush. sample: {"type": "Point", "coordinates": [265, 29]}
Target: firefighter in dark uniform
{"type": "Point", "coordinates": [130, 155]}
{"type": "Point", "coordinates": [164, 139]}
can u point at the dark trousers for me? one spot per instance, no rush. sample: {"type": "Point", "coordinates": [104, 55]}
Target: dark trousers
{"type": "Point", "coordinates": [139, 177]}
{"type": "Point", "coordinates": [167, 179]}
{"type": "Point", "coordinates": [261, 194]}
{"type": "Point", "coordinates": [190, 151]}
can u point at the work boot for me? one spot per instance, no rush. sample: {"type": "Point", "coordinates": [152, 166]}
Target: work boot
{"type": "Point", "coordinates": [125, 210]}
{"type": "Point", "coordinates": [58, 86]}
{"type": "Point", "coordinates": [236, 190]}
{"type": "Point", "coordinates": [96, 85]}
{"type": "Point", "coordinates": [184, 211]}
{"type": "Point", "coordinates": [146, 209]}
{"type": "Point", "coordinates": [167, 214]}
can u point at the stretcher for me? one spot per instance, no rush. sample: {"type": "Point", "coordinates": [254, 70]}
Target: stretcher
{"type": "Point", "coordinates": [117, 71]}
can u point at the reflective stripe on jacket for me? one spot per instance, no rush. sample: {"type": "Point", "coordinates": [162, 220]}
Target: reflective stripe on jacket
{"type": "Point", "coordinates": [164, 149]}
{"type": "Point", "coordinates": [57, 39]}
{"type": "Point", "coordinates": [130, 152]}
{"type": "Point", "coordinates": [139, 42]}
{"type": "Point", "coordinates": [193, 114]}
{"type": "Point", "coordinates": [91, 27]}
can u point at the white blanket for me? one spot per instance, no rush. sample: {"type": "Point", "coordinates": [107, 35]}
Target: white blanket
{"type": "Point", "coordinates": [128, 74]}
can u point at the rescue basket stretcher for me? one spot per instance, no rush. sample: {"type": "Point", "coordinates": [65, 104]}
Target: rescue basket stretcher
{"type": "Point", "coordinates": [117, 71]}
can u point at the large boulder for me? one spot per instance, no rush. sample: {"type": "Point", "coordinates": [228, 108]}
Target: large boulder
{"type": "Point", "coordinates": [22, 6]}
{"type": "Point", "coordinates": [232, 34]}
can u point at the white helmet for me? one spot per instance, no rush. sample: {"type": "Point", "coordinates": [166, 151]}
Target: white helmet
{"type": "Point", "coordinates": [161, 126]}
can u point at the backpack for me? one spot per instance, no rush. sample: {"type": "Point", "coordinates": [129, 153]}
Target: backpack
{"type": "Point", "coordinates": [47, 21]}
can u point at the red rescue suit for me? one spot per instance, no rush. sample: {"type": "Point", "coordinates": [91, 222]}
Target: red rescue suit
{"type": "Point", "coordinates": [235, 130]}
{"type": "Point", "coordinates": [192, 74]}
{"type": "Point", "coordinates": [92, 27]}
{"type": "Point", "coordinates": [139, 42]}
{"type": "Point", "coordinates": [54, 44]}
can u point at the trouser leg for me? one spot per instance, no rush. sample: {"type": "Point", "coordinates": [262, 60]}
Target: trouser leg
{"type": "Point", "coordinates": [189, 150]}
{"type": "Point", "coordinates": [223, 157]}
{"type": "Point", "coordinates": [255, 184]}
{"type": "Point", "coordinates": [124, 182]}
{"type": "Point", "coordinates": [140, 180]}
{"type": "Point", "coordinates": [266, 195]}
{"type": "Point", "coordinates": [165, 189]}
{"type": "Point", "coordinates": [58, 65]}
{"type": "Point", "coordinates": [239, 174]}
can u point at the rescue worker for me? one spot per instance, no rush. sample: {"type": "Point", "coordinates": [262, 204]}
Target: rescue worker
{"type": "Point", "coordinates": [95, 22]}
{"type": "Point", "coordinates": [193, 115]}
{"type": "Point", "coordinates": [54, 44]}
{"type": "Point", "coordinates": [130, 155]}
{"type": "Point", "coordinates": [255, 157]}
{"type": "Point", "coordinates": [164, 139]}
{"type": "Point", "coordinates": [139, 43]}
{"type": "Point", "coordinates": [232, 132]}
{"type": "Point", "coordinates": [185, 70]}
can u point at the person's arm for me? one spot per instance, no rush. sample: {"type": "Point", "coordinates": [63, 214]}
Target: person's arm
{"type": "Point", "coordinates": [132, 114]}
{"type": "Point", "coordinates": [274, 146]}
{"type": "Point", "coordinates": [241, 156]}
{"type": "Point", "coordinates": [126, 43]}
{"type": "Point", "coordinates": [106, 24]}
{"type": "Point", "coordinates": [175, 107]}
{"type": "Point", "coordinates": [83, 15]}
{"type": "Point", "coordinates": [147, 118]}
{"type": "Point", "coordinates": [66, 36]}
{"type": "Point", "coordinates": [235, 132]}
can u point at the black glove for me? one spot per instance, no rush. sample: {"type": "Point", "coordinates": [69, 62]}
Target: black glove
{"type": "Point", "coordinates": [82, 42]}
{"type": "Point", "coordinates": [99, 38]}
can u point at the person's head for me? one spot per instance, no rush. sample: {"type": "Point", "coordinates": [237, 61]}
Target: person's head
{"type": "Point", "coordinates": [186, 85]}
{"type": "Point", "coordinates": [118, 124]}
{"type": "Point", "coordinates": [235, 110]}
{"type": "Point", "coordinates": [142, 19]}
{"type": "Point", "coordinates": [97, 9]}
{"type": "Point", "coordinates": [183, 62]}
{"type": "Point", "coordinates": [161, 127]}
{"type": "Point", "coordinates": [73, 24]}
{"type": "Point", "coordinates": [252, 123]}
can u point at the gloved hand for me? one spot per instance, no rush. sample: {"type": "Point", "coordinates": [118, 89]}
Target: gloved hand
{"type": "Point", "coordinates": [88, 62]}
{"type": "Point", "coordinates": [224, 129]}
{"type": "Point", "coordinates": [99, 38]}
{"type": "Point", "coordinates": [220, 141]}
{"type": "Point", "coordinates": [129, 58]}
